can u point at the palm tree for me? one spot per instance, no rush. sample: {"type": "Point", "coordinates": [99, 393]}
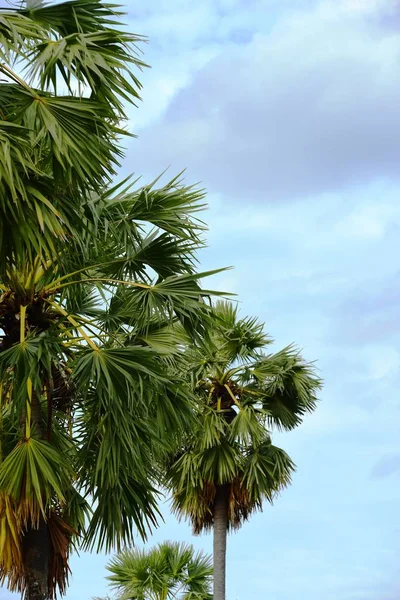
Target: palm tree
{"type": "Point", "coordinates": [170, 571]}
{"type": "Point", "coordinates": [227, 465]}
{"type": "Point", "coordinates": [93, 279]}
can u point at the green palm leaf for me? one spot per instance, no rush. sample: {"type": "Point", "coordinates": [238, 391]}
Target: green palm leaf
{"type": "Point", "coordinates": [31, 474]}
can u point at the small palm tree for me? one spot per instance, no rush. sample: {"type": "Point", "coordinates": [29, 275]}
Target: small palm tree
{"type": "Point", "coordinates": [228, 465]}
{"type": "Point", "coordinates": [170, 571]}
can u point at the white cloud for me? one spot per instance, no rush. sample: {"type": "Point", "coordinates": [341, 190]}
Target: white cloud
{"type": "Point", "coordinates": [307, 106]}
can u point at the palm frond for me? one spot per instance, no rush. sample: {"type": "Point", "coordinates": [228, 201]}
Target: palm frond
{"type": "Point", "coordinates": [237, 339]}
{"type": "Point", "coordinates": [32, 474]}
{"type": "Point", "coordinates": [289, 387]}
{"type": "Point", "coordinates": [86, 47]}
{"type": "Point", "coordinates": [171, 208]}
{"type": "Point", "coordinates": [18, 33]}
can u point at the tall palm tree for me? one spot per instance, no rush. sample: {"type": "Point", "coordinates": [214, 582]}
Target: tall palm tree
{"type": "Point", "coordinates": [170, 571]}
{"type": "Point", "coordinates": [93, 279]}
{"type": "Point", "coordinates": [228, 465]}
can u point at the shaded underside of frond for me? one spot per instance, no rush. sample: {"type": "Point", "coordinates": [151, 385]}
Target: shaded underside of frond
{"type": "Point", "coordinates": [199, 508]}
{"type": "Point", "coordinates": [240, 507]}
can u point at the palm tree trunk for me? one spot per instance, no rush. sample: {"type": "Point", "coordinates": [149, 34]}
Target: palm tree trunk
{"type": "Point", "coordinates": [36, 540]}
{"type": "Point", "coordinates": [220, 536]}
{"type": "Point", "coordinates": [36, 555]}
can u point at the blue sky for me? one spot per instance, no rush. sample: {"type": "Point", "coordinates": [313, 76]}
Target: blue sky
{"type": "Point", "coordinates": [287, 112]}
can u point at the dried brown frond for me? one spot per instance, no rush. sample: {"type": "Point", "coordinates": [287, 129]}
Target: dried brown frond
{"type": "Point", "coordinates": [240, 507]}
{"type": "Point", "coordinates": [202, 517]}
{"type": "Point", "coordinates": [61, 534]}
{"type": "Point", "coordinates": [10, 544]}
{"type": "Point", "coordinates": [11, 563]}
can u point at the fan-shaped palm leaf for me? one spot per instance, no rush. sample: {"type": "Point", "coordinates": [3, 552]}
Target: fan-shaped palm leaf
{"type": "Point", "coordinates": [168, 571]}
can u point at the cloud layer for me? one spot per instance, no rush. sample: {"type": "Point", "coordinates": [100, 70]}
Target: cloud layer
{"type": "Point", "coordinates": [309, 106]}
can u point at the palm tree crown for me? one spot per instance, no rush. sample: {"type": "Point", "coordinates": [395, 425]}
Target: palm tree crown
{"type": "Point", "coordinates": [241, 393]}
{"type": "Point", "coordinates": [170, 571]}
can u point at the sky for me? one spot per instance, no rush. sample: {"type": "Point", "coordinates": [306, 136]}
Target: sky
{"type": "Point", "coordinates": [286, 111]}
